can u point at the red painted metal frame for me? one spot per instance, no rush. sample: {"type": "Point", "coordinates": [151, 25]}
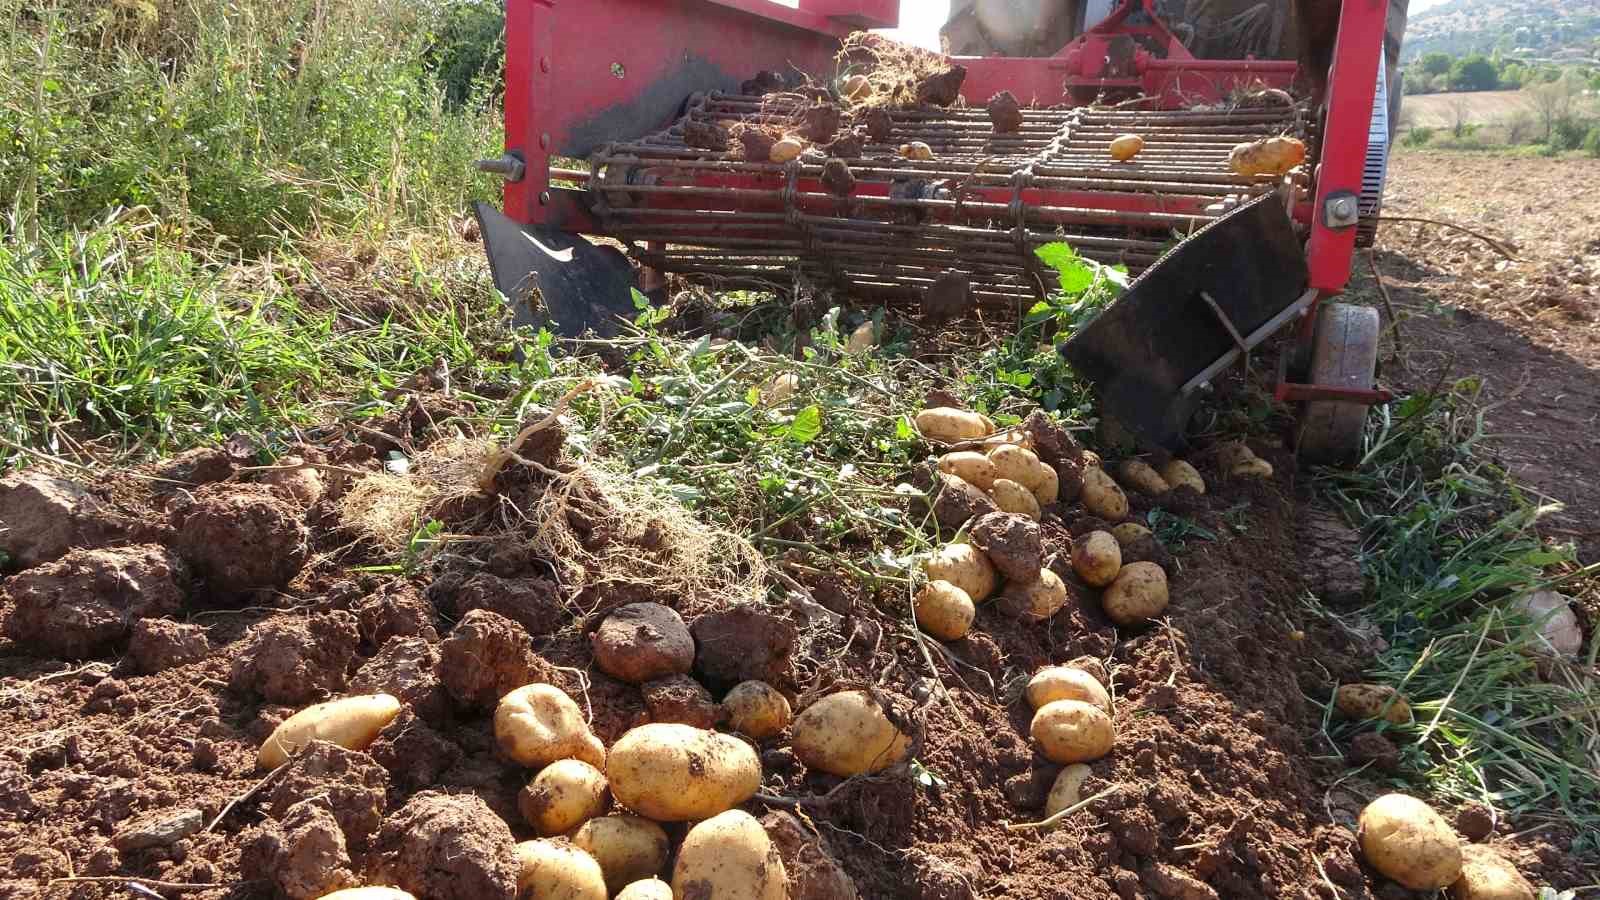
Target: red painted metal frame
{"type": "Point", "coordinates": [1289, 392]}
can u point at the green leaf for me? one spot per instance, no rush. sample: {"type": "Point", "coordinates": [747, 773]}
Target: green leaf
{"type": "Point", "coordinates": [1077, 273]}
{"type": "Point", "coordinates": [640, 301]}
{"type": "Point", "coordinates": [902, 429]}
{"type": "Point", "coordinates": [807, 425]}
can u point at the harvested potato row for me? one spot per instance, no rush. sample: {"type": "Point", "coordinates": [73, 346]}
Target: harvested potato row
{"type": "Point", "coordinates": [1138, 594]}
{"type": "Point", "coordinates": [1239, 461]}
{"type": "Point", "coordinates": [556, 869]}
{"type": "Point", "coordinates": [628, 848]}
{"type": "Point", "coordinates": [1097, 558]}
{"type": "Point", "coordinates": [755, 708]}
{"type": "Point", "coordinates": [1140, 476]}
{"type": "Point", "coordinates": [537, 724]}
{"type": "Point", "coordinates": [677, 773]}
{"type": "Point", "coordinates": [964, 566]}
{"type": "Point", "coordinates": [1019, 464]}
{"type": "Point", "coordinates": [1071, 731]}
{"type": "Point", "coordinates": [729, 857]}
{"type": "Point", "coordinates": [564, 795]}
{"type": "Point", "coordinates": [943, 610]}
{"type": "Point", "coordinates": [1037, 600]}
{"type": "Point", "coordinates": [1013, 497]}
{"type": "Point", "coordinates": [1372, 701]}
{"type": "Point", "coordinates": [1180, 474]}
{"type": "Point", "coordinates": [949, 425]}
{"type": "Point", "coordinates": [846, 734]}
{"type": "Point", "coordinates": [970, 466]}
{"type": "Point", "coordinates": [351, 722]}
{"type": "Point", "coordinates": [1129, 532]}
{"type": "Point", "coordinates": [1405, 840]}
{"type": "Point", "coordinates": [1053, 683]}
{"type": "Point", "coordinates": [1102, 497]}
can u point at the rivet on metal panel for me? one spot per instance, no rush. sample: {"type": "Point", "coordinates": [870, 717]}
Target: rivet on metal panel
{"type": "Point", "coordinates": [618, 70]}
{"type": "Point", "coordinates": [544, 198]}
{"type": "Point", "coordinates": [544, 64]}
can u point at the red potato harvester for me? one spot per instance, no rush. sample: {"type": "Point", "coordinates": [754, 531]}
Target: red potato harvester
{"type": "Point", "coordinates": [635, 86]}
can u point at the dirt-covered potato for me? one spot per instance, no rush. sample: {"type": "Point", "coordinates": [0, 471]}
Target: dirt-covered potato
{"type": "Point", "coordinates": [558, 871]}
{"type": "Point", "coordinates": [1254, 467]}
{"type": "Point", "coordinates": [1138, 594]}
{"type": "Point", "coordinates": [848, 734]}
{"type": "Point", "coordinates": [949, 425]}
{"type": "Point", "coordinates": [1018, 464]}
{"type": "Point", "coordinates": [1268, 156]}
{"type": "Point", "coordinates": [955, 502]}
{"type": "Point", "coordinates": [729, 857]}
{"type": "Point", "coordinates": [1232, 453]}
{"type": "Point", "coordinates": [786, 148]}
{"type": "Point", "coordinates": [564, 795]}
{"type": "Point", "coordinates": [1180, 474]}
{"type": "Point", "coordinates": [964, 566]}
{"type": "Point", "coordinates": [1372, 701]}
{"type": "Point", "coordinates": [780, 389]}
{"type": "Point", "coordinates": [1013, 497]}
{"type": "Point", "coordinates": [537, 724]}
{"type": "Point", "coordinates": [864, 338]}
{"type": "Point", "coordinates": [628, 848]}
{"type": "Point", "coordinates": [1091, 460]}
{"type": "Point", "coordinates": [675, 773]}
{"type": "Point", "coordinates": [351, 722]}
{"type": "Point", "coordinates": [856, 88]}
{"type": "Point", "coordinates": [1071, 731]}
{"type": "Point", "coordinates": [1037, 600]}
{"type": "Point", "coordinates": [1486, 875]}
{"type": "Point", "coordinates": [1053, 683]}
{"type": "Point", "coordinates": [944, 610]}
{"type": "Point", "coordinates": [1408, 842]}
{"type": "Point", "coordinates": [970, 466]}
{"type": "Point", "coordinates": [1097, 558]}
{"type": "Point", "coordinates": [1140, 476]}
{"type": "Point", "coordinates": [646, 889]}
{"type": "Point", "coordinates": [1125, 147]}
{"type": "Point", "coordinates": [916, 150]}
{"type": "Point", "coordinates": [1128, 532]}
{"type": "Point", "coordinates": [1102, 497]}
{"type": "Point", "coordinates": [755, 708]}
{"type": "Point", "coordinates": [370, 893]}
{"type": "Point", "coordinates": [1067, 789]}
{"type": "Point", "coordinates": [1049, 489]}
{"type": "Point", "coordinates": [641, 642]}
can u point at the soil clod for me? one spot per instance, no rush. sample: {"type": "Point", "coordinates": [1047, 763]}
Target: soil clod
{"type": "Point", "coordinates": [745, 643]}
{"type": "Point", "coordinates": [297, 661]}
{"type": "Point", "coordinates": [84, 603]}
{"type": "Point", "coordinates": [447, 847]}
{"type": "Point", "coordinates": [241, 537]}
{"type": "Point", "coordinates": [641, 642]}
{"type": "Point", "coordinates": [486, 656]}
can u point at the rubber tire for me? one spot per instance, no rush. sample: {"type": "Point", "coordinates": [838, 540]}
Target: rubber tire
{"type": "Point", "coordinates": [1344, 354]}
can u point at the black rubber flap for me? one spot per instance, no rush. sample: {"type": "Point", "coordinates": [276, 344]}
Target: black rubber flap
{"type": "Point", "coordinates": [1160, 333]}
{"type": "Point", "coordinates": [581, 287]}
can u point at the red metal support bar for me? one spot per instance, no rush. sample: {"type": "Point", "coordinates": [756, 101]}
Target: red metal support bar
{"type": "Point", "coordinates": [1290, 392]}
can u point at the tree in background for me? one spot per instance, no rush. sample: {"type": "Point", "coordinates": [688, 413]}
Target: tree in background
{"type": "Point", "coordinates": [1474, 73]}
{"type": "Point", "coordinates": [1435, 63]}
{"type": "Point", "coordinates": [1553, 100]}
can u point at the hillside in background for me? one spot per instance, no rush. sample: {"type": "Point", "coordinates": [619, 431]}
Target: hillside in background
{"type": "Point", "coordinates": [1538, 29]}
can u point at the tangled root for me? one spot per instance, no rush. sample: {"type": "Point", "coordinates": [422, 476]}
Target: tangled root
{"type": "Point", "coordinates": [894, 69]}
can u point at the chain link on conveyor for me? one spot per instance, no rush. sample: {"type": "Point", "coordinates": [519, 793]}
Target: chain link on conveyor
{"type": "Point", "coordinates": [980, 207]}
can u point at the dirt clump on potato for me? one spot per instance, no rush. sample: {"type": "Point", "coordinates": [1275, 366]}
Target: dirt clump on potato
{"type": "Point", "coordinates": [296, 479]}
{"type": "Point", "coordinates": [744, 643]}
{"type": "Point", "coordinates": [447, 847]}
{"type": "Point", "coordinates": [241, 537]}
{"type": "Point", "coordinates": [155, 645]}
{"type": "Point", "coordinates": [1372, 747]}
{"type": "Point", "coordinates": [814, 873]}
{"type": "Point", "coordinates": [942, 88]}
{"type": "Point", "coordinates": [642, 642]}
{"type": "Point", "coordinates": [1013, 543]}
{"type": "Point", "coordinates": [84, 603]}
{"type": "Point", "coordinates": [818, 122]}
{"type": "Point", "coordinates": [1005, 113]}
{"type": "Point", "coordinates": [296, 661]}
{"type": "Point", "coordinates": [956, 502]}
{"type": "Point", "coordinates": [485, 657]}
{"type": "Point", "coordinates": [407, 667]}
{"type": "Point", "coordinates": [352, 784]}
{"type": "Point", "coordinates": [304, 855]}
{"type": "Point", "coordinates": [681, 699]}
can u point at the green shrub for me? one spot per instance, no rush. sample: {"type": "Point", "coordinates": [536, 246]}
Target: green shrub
{"type": "Point", "coordinates": [1591, 142]}
{"type": "Point", "coordinates": [1417, 137]}
{"type": "Point", "coordinates": [1568, 132]}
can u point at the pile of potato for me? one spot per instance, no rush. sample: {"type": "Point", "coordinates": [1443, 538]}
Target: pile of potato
{"type": "Point", "coordinates": [1408, 842]}
{"type": "Point", "coordinates": [1071, 719]}
{"type": "Point", "coordinates": [1010, 474]}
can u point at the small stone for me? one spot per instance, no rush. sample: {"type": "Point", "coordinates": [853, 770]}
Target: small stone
{"type": "Point", "coordinates": [159, 830]}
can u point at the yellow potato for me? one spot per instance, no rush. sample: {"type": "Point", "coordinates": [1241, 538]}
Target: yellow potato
{"type": "Point", "coordinates": [537, 724]}
{"type": "Point", "coordinates": [556, 870]}
{"type": "Point", "coordinates": [964, 566]}
{"type": "Point", "coordinates": [848, 734]}
{"type": "Point", "coordinates": [1371, 701]}
{"type": "Point", "coordinates": [729, 857]}
{"type": "Point", "coordinates": [627, 848]}
{"type": "Point", "coordinates": [1139, 476]}
{"type": "Point", "coordinates": [1126, 146]}
{"type": "Point", "coordinates": [351, 722]}
{"type": "Point", "coordinates": [949, 425]}
{"type": "Point", "coordinates": [861, 340]}
{"type": "Point", "coordinates": [1097, 558]}
{"type": "Point", "coordinates": [916, 150]}
{"type": "Point", "coordinates": [675, 773]}
{"type": "Point", "coordinates": [1091, 460]}
{"type": "Point", "coordinates": [970, 466]}
{"type": "Point", "coordinates": [1067, 788]}
{"type": "Point", "coordinates": [1035, 601]}
{"type": "Point", "coordinates": [944, 610]}
{"type": "Point", "coordinates": [786, 148]}
{"type": "Point", "coordinates": [1053, 683]}
{"type": "Point", "coordinates": [1102, 497]}
{"type": "Point", "coordinates": [1408, 842]}
{"type": "Point", "coordinates": [780, 388]}
{"type": "Point", "coordinates": [1018, 464]}
{"type": "Point", "coordinates": [1012, 497]}
{"type": "Point", "coordinates": [369, 893]}
{"type": "Point", "coordinates": [1071, 731]}
{"type": "Point", "coordinates": [1138, 594]}
{"type": "Point", "coordinates": [1253, 467]}
{"type": "Point", "coordinates": [1049, 489]}
{"type": "Point", "coordinates": [856, 88]}
{"type": "Point", "coordinates": [648, 889]}
{"type": "Point", "coordinates": [1180, 474]}
{"type": "Point", "coordinates": [1128, 532]}
{"type": "Point", "coordinates": [564, 795]}
{"type": "Point", "coordinates": [757, 709]}
{"type": "Point", "coordinates": [1232, 453]}
{"type": "Point", "coordinates": [1486, 875]}
{"type": "Point", "coordinates": [1268, 156]}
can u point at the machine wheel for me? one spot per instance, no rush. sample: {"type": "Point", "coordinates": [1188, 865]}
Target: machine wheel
{"type": "Point", "coordinates": [1344, 353]}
